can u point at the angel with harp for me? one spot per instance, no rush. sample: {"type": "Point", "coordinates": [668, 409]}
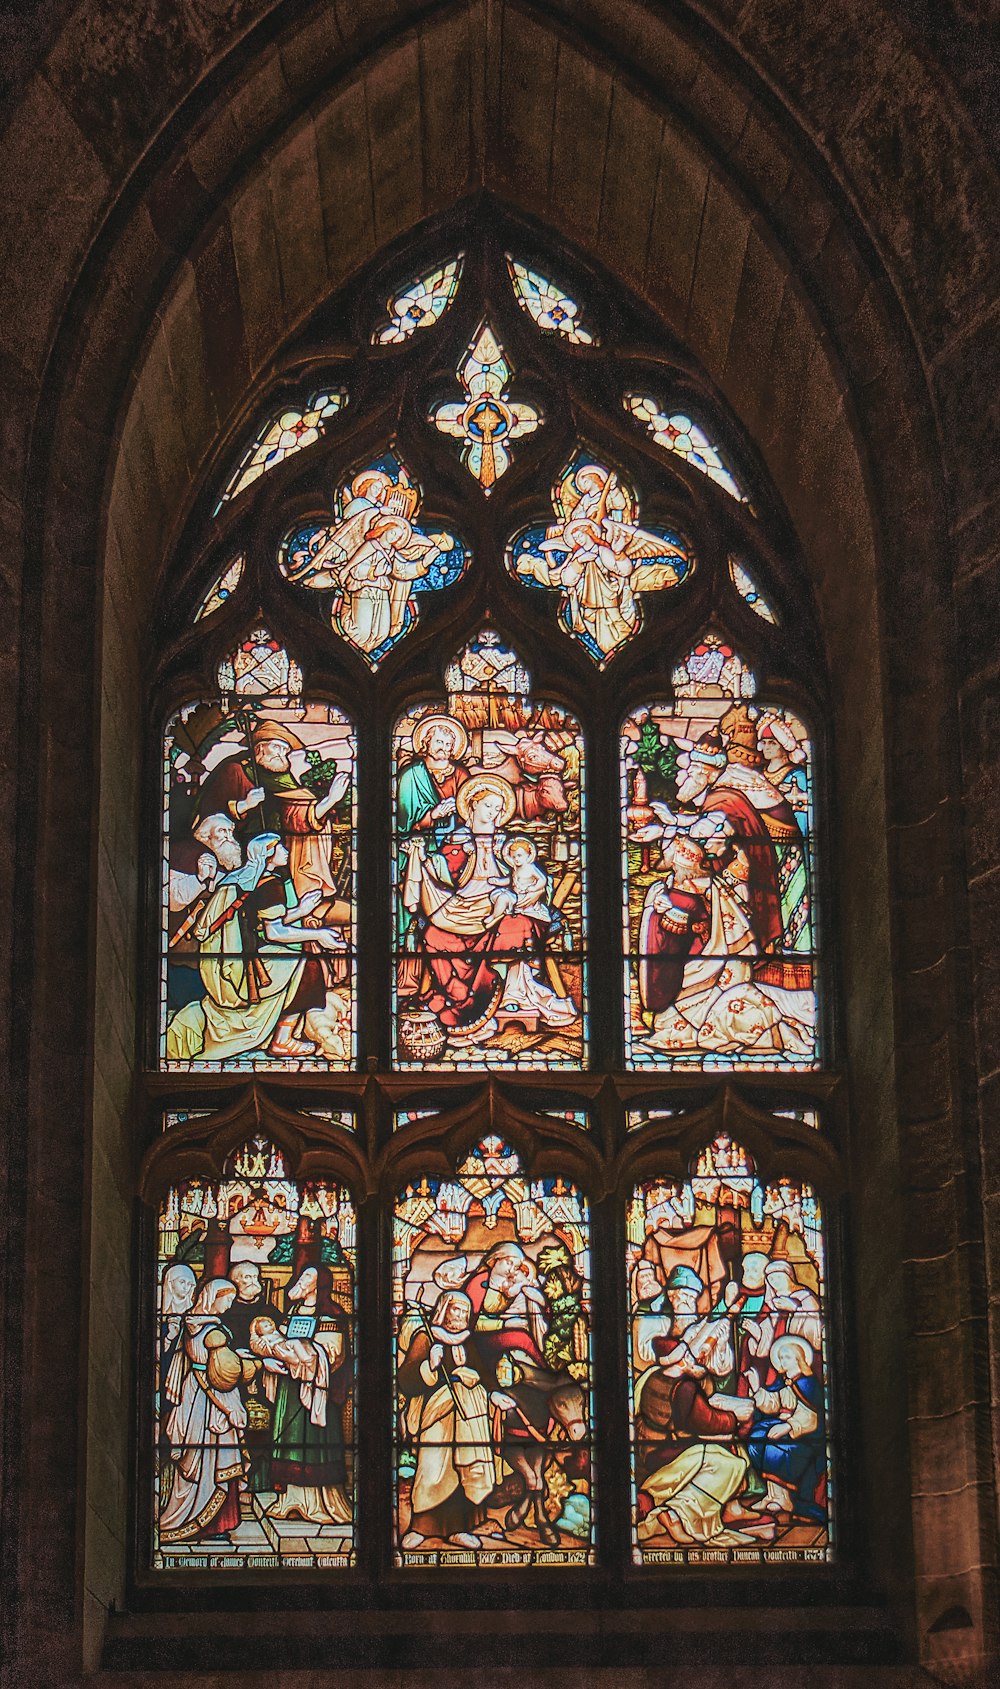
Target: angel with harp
{"type": "Point", "coordinates": [598, 556]}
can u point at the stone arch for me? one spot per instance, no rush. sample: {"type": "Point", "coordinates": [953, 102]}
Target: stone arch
{"type": "Point", "coordinates": [697, 164]}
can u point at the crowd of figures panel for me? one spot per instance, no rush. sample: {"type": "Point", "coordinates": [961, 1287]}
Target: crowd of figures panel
{"type": "Point", "coordinates": [254, 1388]}
{"type": "Point", "coordinates": [727, 1357]}
{"type": "Point", "coordinates": [492, 1334]}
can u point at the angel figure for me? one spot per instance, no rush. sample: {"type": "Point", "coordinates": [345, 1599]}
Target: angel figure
{"type": "Point", "coordinates": [598, 556]}
{"type": "Point", "coordinates": [369, 558]}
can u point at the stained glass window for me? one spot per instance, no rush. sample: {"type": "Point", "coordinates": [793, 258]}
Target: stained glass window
{"type": "Point", "coordinates": [372, 562]}
{"type": "Point", "coordinates": [717, 801]}
{"type": "Point", "coordinates": [388, 966]}
{"type": "Point", "coordinates": [596, 555]}
{"type": "Point", "coordinates": [222, 588]}
{"type": "Point", "coordinates": [289, 432]}
{"type": "Point", "coordinates": [548, 305]}
{"type": "Point", "coordinates": [492, 1336]}
{"type": "Point", "coordinates": [728, 1368]}
{"type": "Point", "coordinates": [489, 867]}
{"type": "Point", "coordinates": [486, 420]}
{"type": "Point", "coordinates": [258, 874]}
{"type": "Point", "coordinates": [677, 433]}
{"type": "Point", "coordinates": [420, 304]}
{"type": "Point", "coordinates": [747, 588]}
{"type": "Point", "coordinates": [253, 1455]}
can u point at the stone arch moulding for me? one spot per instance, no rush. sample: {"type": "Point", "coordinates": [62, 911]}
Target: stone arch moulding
{"type": "Point", "coordinates": [679, 204]}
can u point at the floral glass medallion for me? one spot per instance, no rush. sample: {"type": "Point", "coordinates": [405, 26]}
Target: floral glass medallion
{"type": "Point", "coordinates": [420, 304]}
{"type": "Point", "coordinates": [598, 557]}
{"type": "Point", "coordinates": [486, 420]}
{"type": "Point", "coordinates": [548, 305]}
{"type": "Point", "coordinates": [374, 559]}
{"type": "Point", "coordinates": [677, 433]}
{"type": "Point", "coordinates": [289, 432]}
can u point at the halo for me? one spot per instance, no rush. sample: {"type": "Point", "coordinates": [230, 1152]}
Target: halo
{"type": "Point", "coordinates": [423, 729]}
{"type": "Point", "coordinates": [476, 787]}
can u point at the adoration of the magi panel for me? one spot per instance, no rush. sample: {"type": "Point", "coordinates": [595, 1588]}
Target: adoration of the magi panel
{"type": "Point", "coordinates": [727, 1357]}
{"type": "Point", "coordinates": [254, 1386]}
{"type": "Point", "coordinates": [491, 1326]}
{"type": "Point", "coordinates": [717, 806]}
{"type": "Point", "coordinates": [258, 874]}
{"type": "Point", "coordinates": [489, 873]}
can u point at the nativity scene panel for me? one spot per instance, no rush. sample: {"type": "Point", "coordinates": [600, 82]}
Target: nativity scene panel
{"type": "Point", "coordinates": [253, 1457]}
{"type": "Point", "coordinates": [492, 1338]}
{"type": "Point", "coordinates": [258, 871]}
{"type": "Point", "coordinates": [728, 1368]}
{"type": "Point", "coordinates": [717, 870]}
{"type": "Point", "coordinates": [488, 873]}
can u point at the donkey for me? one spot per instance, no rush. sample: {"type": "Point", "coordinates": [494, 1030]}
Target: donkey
{"type": "Point", "coordinates": [545, 1403]}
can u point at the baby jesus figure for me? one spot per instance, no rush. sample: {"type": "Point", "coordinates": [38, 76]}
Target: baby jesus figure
{"type": "Point", "coordinates": [287, 1354]}
{"type": "Point", "coordinates": [526, 893]}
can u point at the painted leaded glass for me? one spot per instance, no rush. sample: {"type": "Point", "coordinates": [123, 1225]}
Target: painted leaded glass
{"type": "Point", "coordinates": [253, 1456]}
{"type": "Point", "coordinates": [548, 305]}
{"type": "Point", "coordinates": [486, 420]}
{"type": "Point", "coordinates": [747, 588]}
{"type": "Point", "coordinates": [222, 588]}
{"type": "Point", "coordinates": [491, 1331]}
{"type": "Point", "coordinates": [258, 867]}
{"type": "Point", "coordinates": [597, 556]}
{"type": "Point", "coordinates": [281, 436]}
{"type": "Point", "coordinates": [728, 1368]}
{"type": "Point", "coordinates": [488, 873]}
{"type": "Point", "coordinates": [717, 803]}
{"type": "Point", "coordinates": [677, 433]}
{"type": "Point", "coordinates": [374, 559]}
{"type": "Point", "coordinates": [420, 304]}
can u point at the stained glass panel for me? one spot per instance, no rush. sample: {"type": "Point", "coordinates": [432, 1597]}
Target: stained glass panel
{"type": "Point", "coordinates": [486, 420]}
{"type": "Point", "coordinates": [717, 800]}
{"type": "Point", "coordinates": [420, 304]}
{"type": "Point", "coordinates": [222, 588]}
{"type": "Point", "coordinates": [677, 433]}
{"type": "Point", "coordinates": [258, 873]}
{"type": "Point", "coordinates": [597, 556]}
{"type": "Point", "coordinates": [747, 588]}
{"type": "Point", "coordinates": [728, 1368]}
{"type": "Point", "coordinates": [254, 1389]}
{"type": "Point", "coordinates": [295, 427]}
{"type": "Point", "coordinates": [492, 1336]}
{"type": "Point", "coordinates": [374, 560]}
{"type": "Point", "coordinates": [488, 873]}
{"type": "Point", "coordinates": [548, 304]}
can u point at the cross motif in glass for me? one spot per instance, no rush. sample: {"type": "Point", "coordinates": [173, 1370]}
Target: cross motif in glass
{"type": "Point", "coordinates": [487, 420]}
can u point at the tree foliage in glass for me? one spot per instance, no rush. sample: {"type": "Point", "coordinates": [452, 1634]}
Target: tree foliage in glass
{"type": "Point", "coordinates": [491, 1330]}
{"type": "Point", "coordinates": [488, 872]}
{"type": "Point", "coordinates": [258, 874]}
{"type": "Point", "coordinates": [727, 1368]}
{"type": "Point", "coordinates": [717, 808]}
{"type": "Point", "coordinates": [254, 1384]}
